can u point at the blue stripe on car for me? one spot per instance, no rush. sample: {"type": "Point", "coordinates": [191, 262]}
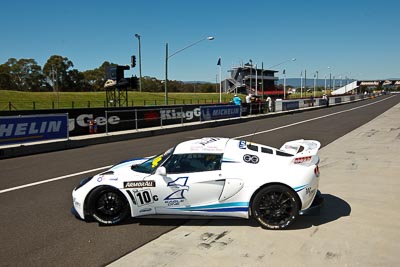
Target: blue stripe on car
{"type": "Point", "coordinates": [299, 188]}
{"type": "Point", "coordinates": [223, 207]}
{"type": "Point", "coordinates": [226, 209]}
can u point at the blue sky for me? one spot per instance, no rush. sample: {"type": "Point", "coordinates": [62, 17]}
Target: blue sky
{"type": "Point", "coordinates": [358, 39]}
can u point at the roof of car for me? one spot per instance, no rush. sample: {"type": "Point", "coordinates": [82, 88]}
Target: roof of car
{"type": "Point", "coordinates": [212, 145]}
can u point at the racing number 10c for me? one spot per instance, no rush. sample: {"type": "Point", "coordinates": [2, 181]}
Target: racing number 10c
{"type": "Point", "coordinates": [144, 197]}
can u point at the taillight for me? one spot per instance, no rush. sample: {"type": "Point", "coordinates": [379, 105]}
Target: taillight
{"type": "Point", "coordinates": [316, 171]}
{"type": "Point", "coordinates": [302, 160]}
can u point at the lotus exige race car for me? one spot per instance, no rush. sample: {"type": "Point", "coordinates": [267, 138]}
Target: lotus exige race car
{"type": "Point", "coordinates": [208, 177]}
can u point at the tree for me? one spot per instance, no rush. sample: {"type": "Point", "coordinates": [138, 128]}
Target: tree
{"type": "Point", "coordinates": [23, 75]}
{"type": "Point", "coordinates": [56, 72]}
{"type": "Point", "coordinates": [97, 77]}
{"type": "Point", "coordinates": [76, 81]}
{"type": "Point", "coordinates": [6, 82]}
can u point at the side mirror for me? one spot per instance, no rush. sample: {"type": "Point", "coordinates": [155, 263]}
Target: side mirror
{"type": "Point", "coordinates": [161, 171]}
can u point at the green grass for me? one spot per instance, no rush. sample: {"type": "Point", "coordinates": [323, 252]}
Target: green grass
{"type": "Point", "coordinates": [17, 100]}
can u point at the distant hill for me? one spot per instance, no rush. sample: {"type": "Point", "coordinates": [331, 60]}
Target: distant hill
{"type": "Point", "coordinates": [296, 82]}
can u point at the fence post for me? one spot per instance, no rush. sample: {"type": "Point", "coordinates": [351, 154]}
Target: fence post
{"type": "Point", "coordinates": [182, 115]}
{"type": "Point", "coordinates": [34, 105]}
{"type": "Point", "coordinates": [73, 104]}
{"type": "Point", "coordinates": [136, 120]}
{"type": "Point", "coordinates": [88, 104]}
{"type": "Point", "coordinates": [160, 117]}
{"type": "Point", "coordinates": [106, 122]}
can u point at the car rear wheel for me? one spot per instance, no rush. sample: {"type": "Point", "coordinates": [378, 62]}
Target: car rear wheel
{"type": "Point", "coordinates": [275, 207]}
{"type": "Point", "coordinates": [108, 205]}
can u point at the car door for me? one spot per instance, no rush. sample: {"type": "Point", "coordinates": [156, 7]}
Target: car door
{"type": "Point", "coordinates": [189, 180]}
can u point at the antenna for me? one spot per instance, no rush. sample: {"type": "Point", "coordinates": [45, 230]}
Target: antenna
{"type": "Point", "coordinates": [254, 133]}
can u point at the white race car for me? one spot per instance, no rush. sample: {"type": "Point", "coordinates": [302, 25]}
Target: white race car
{"type": "Point", "coordinates": [208, 177]}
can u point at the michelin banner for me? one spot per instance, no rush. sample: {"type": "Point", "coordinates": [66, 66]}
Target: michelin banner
{"type": "Point", "coordinates": [31, 128]}
{"type": "Point", "coordinates": [219, 112]}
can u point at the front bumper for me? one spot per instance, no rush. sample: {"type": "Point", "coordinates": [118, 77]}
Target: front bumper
{"type": "Point", "coordinates": [317, 203]}
{"type": "Point", "coordinates": [75, 213]}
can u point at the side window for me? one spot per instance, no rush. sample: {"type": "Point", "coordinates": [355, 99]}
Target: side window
{"type": "Point", "coordinates": [183, 163]}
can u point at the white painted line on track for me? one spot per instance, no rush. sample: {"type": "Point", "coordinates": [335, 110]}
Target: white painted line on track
{"type": "Point", "coordinates": [313, 119]}
{"type": "Point", "coordinates": [247, 135]}
{"type": "Point", "coordinates": [53, 179]}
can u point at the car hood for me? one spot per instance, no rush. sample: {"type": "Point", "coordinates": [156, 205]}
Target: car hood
{"type": "Point", "coordinates": [124, 169]}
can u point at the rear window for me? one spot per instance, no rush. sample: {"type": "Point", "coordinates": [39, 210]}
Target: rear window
{"type": "Point", "coordinates": [283, 154]}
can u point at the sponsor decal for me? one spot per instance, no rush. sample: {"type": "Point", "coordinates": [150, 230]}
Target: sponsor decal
{"type": "Point", "coordinates": [99, 179]}
{"type": "Point", "coordinates": [369, 83]}
{"type": "Point", "coordinates": [145, 210]}
{"type": "Point", "coordinates": [178, 195]}
{"type": "Point", "coordinates": [205, 141]}
{"type": "Point", "coordinates": [156, 161]}
{"type": "Point", "coordinates": [151, 116]}
{"type": "Point", "coordinates": [172, 114]}
{"type": "Point", "coordinates": [310, 191]}
{"type": "Point", "coordinates": [242, 144]}
{"type": "Point", "coordinates": [140, 184]}
{"type": "Point", "coordinates": [219, 112]}
{"type": "Point", "coordinates": [18, 129]}
{"type": "Point", "coordinates": [253, 159]}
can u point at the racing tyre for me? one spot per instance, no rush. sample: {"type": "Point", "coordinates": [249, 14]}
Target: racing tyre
{"type": "Point", "coordinates": [275, 207]}
{"type": "Point", "coordinates": [108, 205]}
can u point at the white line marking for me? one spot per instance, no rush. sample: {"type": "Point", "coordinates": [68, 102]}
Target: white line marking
{"type": "Point", "coordinates": [313, 119]}
{"type": "Point", "coordinates": [257, 133]}
{"type": "Point", "coordinates": [53, 179]}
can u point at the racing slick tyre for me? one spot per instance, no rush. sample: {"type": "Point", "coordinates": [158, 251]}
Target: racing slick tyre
{"type": "Point", "coordinates": [275, 207]}
{"type": "Point", "coordinates": [107, 205]}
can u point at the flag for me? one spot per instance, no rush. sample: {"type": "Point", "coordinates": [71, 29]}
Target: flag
{"type": "Point", "coordinates": [219, 62]}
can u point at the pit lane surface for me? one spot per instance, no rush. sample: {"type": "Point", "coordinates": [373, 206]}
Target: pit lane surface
{"type": "Point", "coordinates": [37, 228]}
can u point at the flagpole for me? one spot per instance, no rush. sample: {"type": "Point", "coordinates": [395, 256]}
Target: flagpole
{"type": "Point", "coordinates": [301, 84]}
{"type": "Point", "coordinates": [284, 84]}
{"type": "Point", "coordinates": [220, 80]}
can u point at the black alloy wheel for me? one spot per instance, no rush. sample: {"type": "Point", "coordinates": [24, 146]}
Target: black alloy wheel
{"type": "Point", "coordinates": [108, 205]}
{"type": "Point", "coordinates": [275, 207]}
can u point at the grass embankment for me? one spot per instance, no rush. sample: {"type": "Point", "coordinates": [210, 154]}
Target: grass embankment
{"type": "Point", "coordinates": [17, 100]}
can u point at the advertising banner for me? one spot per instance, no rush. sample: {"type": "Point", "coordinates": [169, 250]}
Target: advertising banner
{"type": "Point", "coordinates": [290, 105]}
{"type": "Point", "coordinates": [219, 112]}
{"type": "Point", "coordinates": [31, 128]}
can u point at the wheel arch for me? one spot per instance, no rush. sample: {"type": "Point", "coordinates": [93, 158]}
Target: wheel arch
{"type": "Point", "coordinates": [271, 184]}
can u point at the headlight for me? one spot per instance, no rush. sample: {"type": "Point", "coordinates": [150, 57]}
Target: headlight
{"type": "Point", "coordinates": [83, 182]}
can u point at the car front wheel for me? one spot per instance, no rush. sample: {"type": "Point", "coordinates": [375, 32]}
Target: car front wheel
{"type": "Point", "coordinates": [108, 205]}
{"type": "Point", "coordinates": [275, 207]}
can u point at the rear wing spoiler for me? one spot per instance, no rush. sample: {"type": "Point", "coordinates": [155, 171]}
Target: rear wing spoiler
{"type": "Point", "coordinates": [304, 151]}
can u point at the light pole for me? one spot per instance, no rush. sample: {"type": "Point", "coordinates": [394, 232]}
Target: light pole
{"type": "Point", "coordinates": [284, 74]}
{"type": "Point", "coordinates": [284, 84]}
{"type": "Point", "coordinates": [140, 63]}
{"type": "Point", "coordinates": [173, 54]}
{"type": "Point", "coordinates": [262, 80]}
{"type": "Point", "coordinates": [251, 70]}
{"type": "Point", "coordinates": [314, 84]}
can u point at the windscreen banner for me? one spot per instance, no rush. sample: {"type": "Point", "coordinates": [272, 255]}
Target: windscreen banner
{"type": "Point", "coordinates": [32, 128]}
{"type": "Point", "coordinates": [219, 112]}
